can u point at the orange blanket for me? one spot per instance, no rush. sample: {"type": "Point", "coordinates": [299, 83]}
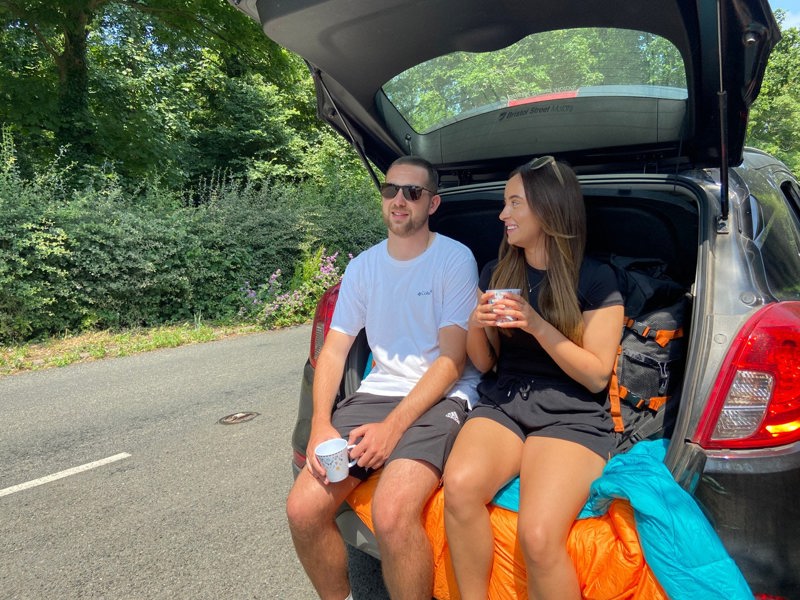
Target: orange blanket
{"type": "Point", "coordinates": [605, 550]}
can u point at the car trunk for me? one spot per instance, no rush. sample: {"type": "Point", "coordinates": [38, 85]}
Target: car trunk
{"type": "Point", "coordinates": [354, 49]}
{"type": "Point", "coordinates": [653, 217]}
{"type": "Point", "coordinates": [635, 216]}
{"type": "Point", "coordinates": [638, 217]}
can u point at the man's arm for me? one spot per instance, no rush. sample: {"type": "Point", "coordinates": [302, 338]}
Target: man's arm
{"type": "Point", "coordinates": [327, 377]}
{"type": "Point", "coordinates": [379, 439]}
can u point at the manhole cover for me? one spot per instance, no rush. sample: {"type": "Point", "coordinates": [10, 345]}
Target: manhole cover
{"type": "Point", "coordinates": [237, 418]}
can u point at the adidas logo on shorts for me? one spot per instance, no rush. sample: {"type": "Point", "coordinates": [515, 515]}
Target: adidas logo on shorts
{"type": "Point", "coordinates": [454, 416]}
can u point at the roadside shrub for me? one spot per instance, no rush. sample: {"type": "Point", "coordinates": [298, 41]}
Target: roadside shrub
{"type": "Point", "coordinates": [128, 267]}
{"type": "Point", "coordinates": [341, 211]}
{"type": "Point", "coordinates": [272, 307]}
{"type": "Point", "coordinates": [107, 257]}
{"type": "Point", "coordinates": [287, 228]}
{"type": "Point", "coordinates": [254, 221]}
{"type": "Point", "coordinates": [32, 245]}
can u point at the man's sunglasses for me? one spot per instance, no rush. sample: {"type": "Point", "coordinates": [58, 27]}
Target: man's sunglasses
{"type": "Point", "coordinates": [543, 161]}
{"type": "Point", "coordinates": [410, 192]}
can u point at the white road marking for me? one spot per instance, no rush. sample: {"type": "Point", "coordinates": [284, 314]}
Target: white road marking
{"type": "Point", "coordinates": [61, 474]}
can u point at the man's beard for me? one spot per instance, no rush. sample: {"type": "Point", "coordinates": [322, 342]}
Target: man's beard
{"type": "Point", "coordinates": [406, 229]}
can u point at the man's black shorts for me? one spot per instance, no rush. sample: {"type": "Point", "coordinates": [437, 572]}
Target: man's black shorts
{"type": "Point", "coordinates": [429, 438]}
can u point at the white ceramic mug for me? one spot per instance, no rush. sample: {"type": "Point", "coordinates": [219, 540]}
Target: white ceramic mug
{"type": "Point", "coordinates": [499, 295]}
{"type": "Point", "coordinates": [333, 455]}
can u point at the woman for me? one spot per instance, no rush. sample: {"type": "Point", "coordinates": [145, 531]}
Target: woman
{"type": "Point", "coordinates": [543, 413]}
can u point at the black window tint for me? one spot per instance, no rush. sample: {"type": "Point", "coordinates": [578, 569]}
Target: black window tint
{"type": "Point", "coordinates": [792, 192]}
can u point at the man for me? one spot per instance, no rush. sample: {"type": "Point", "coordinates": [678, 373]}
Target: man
{"type": "Point", "coordinates": [413, 292]}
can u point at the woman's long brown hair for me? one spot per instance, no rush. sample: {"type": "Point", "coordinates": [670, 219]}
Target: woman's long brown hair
{"type": "Point", "coordinates": [558, 205]}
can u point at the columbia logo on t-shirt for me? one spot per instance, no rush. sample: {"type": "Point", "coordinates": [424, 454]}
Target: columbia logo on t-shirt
{"type": "Point", "coordinates": [424, 292]}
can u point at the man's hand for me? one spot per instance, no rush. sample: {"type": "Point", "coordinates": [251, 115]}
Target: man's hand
{"type": "Point", "coordinates": [319, 434]}
{"type": "Point", "coordinates": [376, 443]}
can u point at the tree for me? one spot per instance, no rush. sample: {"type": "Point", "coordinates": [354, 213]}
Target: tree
{"type": "Point", "coordinates": [774, 124]}
{"type": "Point", "coordinates": [60, 39]}
{"type": "Point", "coordinates": [543, 63]}
{"type": "Point", "coordinates": [27, 95]}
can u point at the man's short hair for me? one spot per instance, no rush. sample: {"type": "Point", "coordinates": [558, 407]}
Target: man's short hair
{"type": "Point", "coordinates": [418, 161]}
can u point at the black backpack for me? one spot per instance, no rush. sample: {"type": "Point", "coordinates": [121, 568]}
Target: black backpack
{"type": "Point", "coordinates": [652, 353]}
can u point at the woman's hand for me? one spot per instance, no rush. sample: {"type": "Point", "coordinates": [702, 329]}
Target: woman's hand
{"type": "Point", "coordinates": [514, 312]}
{"type": "Point", "coordinates": [483, 343]}
{"type": "Point", "coordinates": [484, 314]}
{"type": "Point", "coordinates": [589, 363]}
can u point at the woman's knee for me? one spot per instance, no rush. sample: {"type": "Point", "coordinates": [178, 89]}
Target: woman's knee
{"type": "Point", "coordinates": [464, 489]}
{"type": "Point", "coordinates": [541, 543]}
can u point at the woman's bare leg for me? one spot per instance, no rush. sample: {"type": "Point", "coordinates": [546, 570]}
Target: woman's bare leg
{"type": "Point", "coordinates": [485, 456]}
{"type": "Point", "coordinates": [554, 485]}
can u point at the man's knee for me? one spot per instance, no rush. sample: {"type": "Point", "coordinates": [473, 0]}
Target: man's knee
{"type": "Point", "coordinates": [400, 499]}
{"type": "Point", "coordinates": [307, 509]}
{"type": "Point", "coordinates": [297, 512]}
{"type": "Point", "coordinates": [390, 517]}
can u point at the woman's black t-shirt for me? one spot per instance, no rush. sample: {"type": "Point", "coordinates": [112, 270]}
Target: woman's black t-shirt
{"type": "Point", "coordinates": [520, 353]}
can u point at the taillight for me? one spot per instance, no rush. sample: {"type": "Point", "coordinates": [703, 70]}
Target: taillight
{"type": "Point", "coordinates": [299, 459]}
{"type": "Point", "coordinates": [322, 322]}
{"type": "Point", "coordinates": [755, 401]}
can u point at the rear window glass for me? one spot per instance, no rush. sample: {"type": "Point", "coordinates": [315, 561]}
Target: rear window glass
{"type": "Point", "coordinates": [554, 65]}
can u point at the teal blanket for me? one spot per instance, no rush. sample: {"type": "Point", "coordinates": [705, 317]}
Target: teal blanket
{"type": "Point", "coordinates": [679, 544]}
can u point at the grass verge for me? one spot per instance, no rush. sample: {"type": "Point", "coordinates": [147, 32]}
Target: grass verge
{"type": "Point", "coordinates": [59, 352]}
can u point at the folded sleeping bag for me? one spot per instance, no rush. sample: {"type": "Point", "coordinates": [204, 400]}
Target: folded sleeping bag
{"type": "Point", "coordinates": [684, 557]}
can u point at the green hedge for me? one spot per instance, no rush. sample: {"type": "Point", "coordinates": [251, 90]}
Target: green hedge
{"type": "Point", "coordinates": [103, 257]}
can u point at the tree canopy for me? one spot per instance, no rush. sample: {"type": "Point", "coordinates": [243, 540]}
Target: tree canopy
{"type": "Point", "coordinates": [178, 90]}
{"type": "Point", "coordinates": [774, 124]}
{"type": "Point", "coordinates": [173, 88]}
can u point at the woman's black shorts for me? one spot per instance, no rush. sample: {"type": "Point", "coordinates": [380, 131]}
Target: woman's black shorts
{"type": "Point", "coordinates": [548, 408]}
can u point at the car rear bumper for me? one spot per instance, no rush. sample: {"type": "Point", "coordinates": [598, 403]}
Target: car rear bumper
{"type": "Point", "coordinates": [750, 498]}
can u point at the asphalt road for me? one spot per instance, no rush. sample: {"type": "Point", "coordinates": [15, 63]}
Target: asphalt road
{"type": "Point", "coordinates": [184, 507]}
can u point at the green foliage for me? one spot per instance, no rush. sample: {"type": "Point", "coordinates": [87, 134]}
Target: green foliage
{"type": "Point", "coordinates": [28, 96]}
{"type": "Point", "coordinates": [167, 89]}
{"type": "Point", "coordinates": [774, 124]}
{"type": "Point", "coordinates": [243, 124]}
{"type": "Point", "coordinates": [274, 308]}
{"type": "Point", "coordinates": [32, 247]}
{"type": "Point", "coordinates": [543, 63]}
{"type": "Point", "coordinates": [128, 266]}
{"type": "Point", "coordinates": [103, 257]}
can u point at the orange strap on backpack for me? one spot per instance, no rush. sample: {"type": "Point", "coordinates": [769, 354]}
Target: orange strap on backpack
{"type": "Point", "coordinates": [618, 393]}
{"type": "Point", "coordinates": [661, 336]}
{"type": "Point", "coordinates": [613, 396]}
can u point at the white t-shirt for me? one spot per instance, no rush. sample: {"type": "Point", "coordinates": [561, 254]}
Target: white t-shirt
{"type": "Point", "coordinates": [403, 304]}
